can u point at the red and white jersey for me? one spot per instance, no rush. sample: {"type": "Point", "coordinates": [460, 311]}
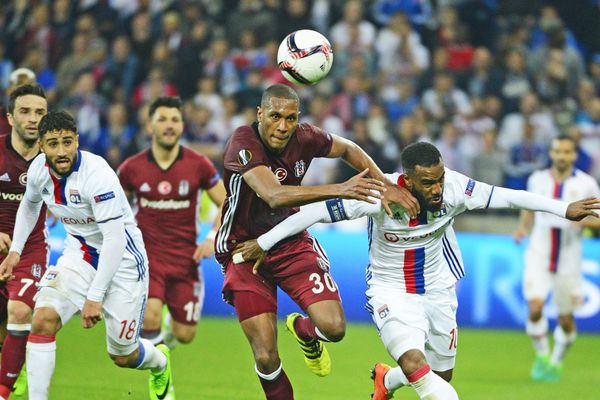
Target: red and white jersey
{"type": "Point", "coordinates": [167, 200]}
{"type": "Point", "coordinates": [416, 255]}
{"type": "Point", "coordinates": [88, 196]}
{"type": "Point", "coordinates": [554, 238]}
{"type": "Point", "coordinates": [13, 178]}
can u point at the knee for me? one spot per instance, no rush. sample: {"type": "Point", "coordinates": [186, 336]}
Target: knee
{"type": "Point", "coordinates": [267, 361]}
{"type": "Point", "coordinates": [411, 361]}
{"type": "Point", "coordinates": [334, 329]}
{"type": "Point", "coordinates": [567, 323]}
{"type": "Point", "coordinates": [185, 337]}
{"type": "Point", "coordinates": [445, 375]}
{"type": "Point", "coordinates": [19, 313]}
{"type": "Point", "coordinates": [45, 322]}
{"type": "Point", "coordinates": [152, 319]}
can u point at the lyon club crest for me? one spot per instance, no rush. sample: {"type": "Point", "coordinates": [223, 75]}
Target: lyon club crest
{"type": "Point", "coordinates": [299, 168]}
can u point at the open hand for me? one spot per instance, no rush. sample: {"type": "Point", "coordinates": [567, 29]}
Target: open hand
{"type": "Point", "coordinates": [359, 187]}
{"type": "Point", "coordinates": [580, 209]}
{"type": "Point", "coordinates": [205, 249]}
{"type": "Point", "coordinates": [400, 195]}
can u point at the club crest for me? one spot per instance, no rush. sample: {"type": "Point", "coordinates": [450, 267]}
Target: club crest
{"type": "Point", "coordinates": [299, 168]}
{"type": "Point", "coordinates": [184, 188]}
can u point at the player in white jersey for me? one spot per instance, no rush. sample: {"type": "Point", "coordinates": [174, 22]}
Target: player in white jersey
{"type": "Point", "coordinates": [415, 264]}
{"type": "Point", "coordinates": [103, 269]}
{"type": "Point", "coordinates": [553, 257]}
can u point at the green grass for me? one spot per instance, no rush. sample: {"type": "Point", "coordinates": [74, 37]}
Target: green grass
{"type": "Point", "coordinates": [218, 365]}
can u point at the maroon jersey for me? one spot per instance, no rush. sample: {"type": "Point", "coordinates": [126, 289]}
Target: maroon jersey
{"type": "Point", "coordinates": [167, 200]}
{"type": "Point", "coordinates": [245, 215]}
{"type": "Point", "coordinates": [13, 178]}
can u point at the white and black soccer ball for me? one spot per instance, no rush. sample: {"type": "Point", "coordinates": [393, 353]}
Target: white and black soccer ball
{"type": "Point", "coordinates": [305, 57]}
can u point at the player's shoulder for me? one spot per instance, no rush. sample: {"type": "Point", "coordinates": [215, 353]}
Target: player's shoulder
{"type": "Point", "coordinates": [94, 165]}
{"type": "Point", "coordinates": [541, 174]}
{"type": "Point", "coordinates": [37, 165]}
{"type": "Point", "coordinates": [583, 176]}
{"type": "Point", "coordinates": [191, 155]}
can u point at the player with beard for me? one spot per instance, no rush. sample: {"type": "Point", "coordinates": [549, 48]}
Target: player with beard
{"type": "Point", "coordinates": [414, 264]}
{"type": "Point", "coordinates": [26, 106]}
{"type": "Point", "coordinates": [167, 181]}
{"type": "Point", "coordinates": [553, 257]}
{"type": "Point", "coordinates": [102, 271]}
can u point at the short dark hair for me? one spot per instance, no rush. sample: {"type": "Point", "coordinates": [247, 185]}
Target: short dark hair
{"type": "Point", "coordinates": [165, 101]}
{"type": "Point", "coordinates": [280, 91]}
{"type": "Point", "coordinates": [24, 90]}
{"type": "Point", "coordinates": [56, 121]}
{"type": "Point", "coordinates": [420, 153]}
{"type": "Point", "coordinates": [565, 136]}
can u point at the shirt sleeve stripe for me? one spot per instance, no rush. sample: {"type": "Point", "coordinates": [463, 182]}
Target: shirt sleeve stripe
{"type": "Point", "coordinates": [109, 219]}
{"type": "Point", "coordinates": [490, 198]}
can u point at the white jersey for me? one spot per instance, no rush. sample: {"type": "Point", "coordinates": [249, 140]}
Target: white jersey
{"type": "Point", "coordinates": [420, 255]}
{"type": "Point", "coordinates": [554, 238]}
{"type": "Point", "coordinates": [88, 196]}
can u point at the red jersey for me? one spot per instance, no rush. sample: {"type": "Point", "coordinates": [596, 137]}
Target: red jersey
{"type": "Point", "coordinates": [245, 215]}
{"type": "Point", "coordinates": [13, 178]}
{"type": "Point", "coordinates": [167, 200]}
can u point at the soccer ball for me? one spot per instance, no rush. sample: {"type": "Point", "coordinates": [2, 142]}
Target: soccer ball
{"type": "Point", "coordinates": [305, 57]}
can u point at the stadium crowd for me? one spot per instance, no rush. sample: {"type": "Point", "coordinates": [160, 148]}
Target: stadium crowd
{"type": "Point", "coordinates": [489, 82]}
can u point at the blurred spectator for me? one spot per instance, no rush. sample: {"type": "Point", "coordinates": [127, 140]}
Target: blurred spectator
{"type": "Point", "coordinates": [595, 72]}
{"type": "Point", "coordinates": [515, 81]}
{"type": "Point", "coordinates": [123, 67]}
{"type": "Point", "coordinates": [353, 17]}
{"type": "Point", "coordinates": [18, 77]}
{"type": "Point", "coordinates": [63, 24]}
{"type": "Point", "coordinates": [456, 154]}
{"type": "Point", "coordinates": [526, 156]}
{"type": "Point", "coordinates": [116, 135]}
{"type": "Point", "coordinates": [444, 100]}
{"type": "Point", "coordinates": [516, 125]}
{"type": "Point", "coordinates": [248, 54]}
{"type": "Point", "coordinates": [219, 65]}
{"type": "Point", "coordinates": [154, 86]}
{"type": "Point", "coordinates": [480, 18]}
{"type": "Point", "coordinates": [552, 81]}
{"type": "Point", "coordinates": [71, 66]}
{"type": "Point", "coordinates": [399, 100]}
{"type": "Point", "coordinates": [362, 138]}
{"type": "Point", "coordinates": [584, 162]}
{"type": "Point", "coordinates": [142, 40]}
{"type": "Point", "coordinates": [400, 51]}
{"type": "Point", "coordinates": [588, 122]}
{"type": "Point", "coordinates": [208, 97]}
{"type": "Point", "coordinates": [251, 14]}
{"type": "Point", "coordinates": [35, 61]}
{"type": "Point", "coordinates": [472, 126]}
{"type": "Point", "coordinates": [487, 165]}
{"type": "Point", "coordinates": [453, 36]}
{"type": "Point", "coordinates": [40, 33]}
{"type": "Point", "coordinates": [439, 65]}
{"type": "Point", "coordinates": [202, 131]}
{"type": "Point", "coordinates": [296, 14]}
{"type": "Point", "coordinates": [164, 58]}
{"type": "Point", "coordinates": [251, 94]}
{"type": "Point", "coordinates": [378, 124]}
{"type": "Point", "coordinates": [171, 30]}
{"type": "Point", "coordinates": [352, 102]}
{"type": "Point", "coordinates": [318, 115]}
{"type": "Point", "coordinates": [483, 78]}
{"type": "Point", "coordinates": [6, 67]}
{"type": "Point", "coordinates": [418, 11]}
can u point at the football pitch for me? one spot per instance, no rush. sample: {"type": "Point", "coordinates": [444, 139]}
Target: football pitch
{"type": "Point", "coordinates": [218, 365]}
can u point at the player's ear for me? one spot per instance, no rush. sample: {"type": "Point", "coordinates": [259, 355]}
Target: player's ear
{"type": "Point", "coordinates": [9, 116]}
{"type": "Point", "coordinates": [258, 113]}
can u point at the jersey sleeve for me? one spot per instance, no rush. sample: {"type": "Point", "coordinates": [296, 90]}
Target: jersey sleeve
{"type": "Point", "coordinates": [106, 196]}
{"type": "Point", "coordinates": [320, 140]}
{"type": "Point", "coordinates": [210, 175]}
{"type": "Point", "coordinates": [352, 209]}
{"type": "Point", "coordinates": [471, 193]}
{"type": "Point", "coordinates": [32, 191]}
{"type": "Point", "coordinates": [244, 152]}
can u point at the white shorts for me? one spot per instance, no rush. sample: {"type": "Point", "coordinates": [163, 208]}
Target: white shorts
{"type": "Point", "coordinates": [423, 322]}
{"type": "Point", "coordinates": [565, 284]}
{"type": "Point", "coordinates": [64, 288]}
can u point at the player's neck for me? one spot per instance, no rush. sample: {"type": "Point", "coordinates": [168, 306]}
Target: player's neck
{"type": "Point", "coordinates": [165, 157]}
{"type": "Point", "coordinates": [561, 176]}
{"type": "Point", "coordinates": [25, 149]}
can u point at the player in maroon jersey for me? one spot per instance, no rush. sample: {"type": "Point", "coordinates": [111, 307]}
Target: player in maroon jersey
{"type": "Point", "coordinates": [27, 105]}
{"type": "Point", "coordinates": [167, 180]}
{"type": "Point", "coordinates": [264, 165]}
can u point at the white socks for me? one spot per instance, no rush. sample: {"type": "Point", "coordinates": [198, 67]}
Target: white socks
{"type": "Point", "coordinates": [40, 358]}
{"type": "Point", "coordinates": [429, 386]}
{"type": "Point", "coordinates": [562, 342]}
{"type": "Point", "coordinates": [395, 379]}
{"type": "Point", "coordinates": [150, 358]}
{"type": "Point", "coordinates": [538, 332]}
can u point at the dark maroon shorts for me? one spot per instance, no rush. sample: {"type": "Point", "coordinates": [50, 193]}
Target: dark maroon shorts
{"type": "Point", "coordinates": [180, 287]}
{"type": "Point", "coordinates": [28, 273]}
{"type": "Point", "coordinates": [299, 267]}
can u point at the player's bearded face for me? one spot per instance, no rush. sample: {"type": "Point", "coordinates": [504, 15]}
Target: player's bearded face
{"type": "Point", "coordinates": [28, 112]}
{"type": "Point", "coordinates": [60, 148]}
{"type": "Point", "coordinates": [427, 185]}
{"type": "Point", "coordinates": [166, 126]}
{"type": "Point", "coordinates": [563, 154]}
{"type": "Point", "coordinates": [277, 123]}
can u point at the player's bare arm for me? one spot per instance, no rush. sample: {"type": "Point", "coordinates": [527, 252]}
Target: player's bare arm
{"type": "Point", "coordinates": [351, 153]}
{"type": "Point", "coordinates": [581, 209]}
{"type": "Point", "coordinates": [5, 243]}
{"type": "Point", "coordinates": [7, 266]}
{"type": "Point", "coordinates": [524, 227]}
{"type": "Point", "coordinates": [206, 249]}
{"type": "Point", "coordinates": [268, 188]}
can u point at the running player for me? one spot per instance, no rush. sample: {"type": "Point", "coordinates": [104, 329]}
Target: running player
{"type": "Point", "coordinates": [264, 165]}
{"type": "Point", "coordinates": [167, 181]}
{"type": "Point", "coordinates": [102, 271]}
{"type": "Point", "coordinates": [26, 106]}
{"type": "Point", "coordinates": [414, 264]}
{"type": "Point", "coordinates": [553, 257]}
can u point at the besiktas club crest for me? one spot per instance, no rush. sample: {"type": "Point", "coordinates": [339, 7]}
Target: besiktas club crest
{"type": "Point", "coordinates": [299, 168]}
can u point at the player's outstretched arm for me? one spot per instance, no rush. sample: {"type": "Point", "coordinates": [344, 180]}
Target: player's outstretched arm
{"type": "Point", "coordinates": [206, 249]}
{"type": "Point", "coordinates": [267, 187]}
{"type": "Point", "coordinates": [351, 153]}
{"type": "Point", "coordinates": [578, 210]}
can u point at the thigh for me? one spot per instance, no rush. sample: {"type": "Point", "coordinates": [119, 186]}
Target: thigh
{"type": "Point", "coordinates": [301, 268]}
{"type": "Point", "coordinates": [259, 290]}
{"type": "Point", "coordinates": [400, 319]}
{"type": "Point", "coordinates": [442, 338]}
{"type": "Point", "coordinates": [123, 310]}
{"type": "Point", "coordinates": [24, 286]}
{"type": "Point", "coordinates": [157, 282]}
{"type": "Point", "coordinates": [537, 280]}
{"type": "Point", "coordinates": [568, 292]}
{"type": "Point", "coordinates": [185, 295]}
